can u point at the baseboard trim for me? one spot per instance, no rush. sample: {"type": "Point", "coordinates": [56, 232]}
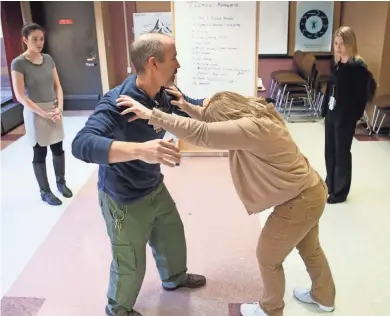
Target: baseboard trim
{"type": "Point", "coordinates": [81, 102]}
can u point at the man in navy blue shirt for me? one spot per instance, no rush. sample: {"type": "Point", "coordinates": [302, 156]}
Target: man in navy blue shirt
{"type": "Point", "coordinates": [135, 203]}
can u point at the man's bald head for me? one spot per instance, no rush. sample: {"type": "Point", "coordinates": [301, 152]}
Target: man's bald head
{"type": "Point", "coordinates": [147, 46]}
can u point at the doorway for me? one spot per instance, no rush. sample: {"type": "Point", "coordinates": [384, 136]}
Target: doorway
{"type": "Point", "coordinates": [72, 42]}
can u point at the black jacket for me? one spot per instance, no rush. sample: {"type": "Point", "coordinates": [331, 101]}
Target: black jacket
{"type": "Point", "coordinates": [351, 91]}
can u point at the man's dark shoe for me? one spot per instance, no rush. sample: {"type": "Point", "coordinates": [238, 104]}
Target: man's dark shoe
{"type": "Point", "coordinates": [193, 281]}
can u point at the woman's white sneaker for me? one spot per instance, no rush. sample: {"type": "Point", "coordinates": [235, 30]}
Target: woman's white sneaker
{"type": "Point", "coordinates": [304, 296]}
{"type": "Point", "coordinates": [252, 310]}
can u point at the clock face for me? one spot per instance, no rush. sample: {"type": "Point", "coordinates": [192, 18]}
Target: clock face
{"type": "Point", "coordinates": [314, 24]}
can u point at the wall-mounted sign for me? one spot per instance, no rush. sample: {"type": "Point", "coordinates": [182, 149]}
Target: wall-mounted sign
{"type": "Point", "coordinates": [152, 22]}
{"type": "Point", "coordinates": [65, 21]}
{"type": "Point", "coordinates": [314, 26]}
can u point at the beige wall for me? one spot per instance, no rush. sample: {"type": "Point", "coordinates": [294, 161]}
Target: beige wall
{"type": "Point", "coordinates": [153, 6]}
{"type": "Point", "coordinates": [26, 11]}
{"type": "Point", "coordinates": [371, 23]}
{"type": "Point", "coordinates": [108, 41]}
{"type": "Point", "coordinates": [102, 47]}
{"type": "Point", "coordinates": [105, 44]}
{"type": "Point", "coordinates": [384, 77]}
{"type": "Point", "coordinates": [368, 20]}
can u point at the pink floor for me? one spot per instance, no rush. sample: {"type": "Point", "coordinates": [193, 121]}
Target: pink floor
{"type": "Point", "coordinates": [69, 273]}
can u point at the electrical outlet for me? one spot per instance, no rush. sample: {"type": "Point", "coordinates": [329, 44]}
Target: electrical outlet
{"type": "Point", "coordinates": [128, 70]}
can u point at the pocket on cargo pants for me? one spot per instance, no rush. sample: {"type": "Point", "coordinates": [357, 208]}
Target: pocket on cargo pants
{"type": "Point", "coordinates": [128, 227]}
{"type": "Point", "coordinates": [122, 272]}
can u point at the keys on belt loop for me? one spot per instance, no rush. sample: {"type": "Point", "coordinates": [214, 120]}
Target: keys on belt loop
{"type": "Point", "coordinates": [119, 216]}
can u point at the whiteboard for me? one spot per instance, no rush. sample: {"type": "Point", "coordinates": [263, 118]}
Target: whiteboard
{"type": "Point", "coordinates": [216, 43]}
{"type": "Point", "coordinates": [273, 27]}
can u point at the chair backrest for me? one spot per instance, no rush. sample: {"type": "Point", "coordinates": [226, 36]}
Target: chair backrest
{"type": "Point", "coordinates": [306, 66]}
{"type": "Point", "coordinates": [298, 55]}
{"type": "Point", "coordinates": [314, 76]}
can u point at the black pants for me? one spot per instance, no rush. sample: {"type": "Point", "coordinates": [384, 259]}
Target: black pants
{"type": "Point", "coordinates": [338, 157]}
{"type": "Point", "coordinates": [40, 152]}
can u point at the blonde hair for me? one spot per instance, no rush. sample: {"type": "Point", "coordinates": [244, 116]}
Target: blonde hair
{"type": "Point", "coordinates": [350, 42]}
{"type": "Point", "coordinates": [225, 106]}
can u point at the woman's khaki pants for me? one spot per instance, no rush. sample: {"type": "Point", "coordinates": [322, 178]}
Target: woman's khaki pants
{"type": "Point", "coordinates": [294, 224]}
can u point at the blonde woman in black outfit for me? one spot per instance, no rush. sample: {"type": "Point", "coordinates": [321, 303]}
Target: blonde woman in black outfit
{"type": "Point", "coordinates": [348, 93]}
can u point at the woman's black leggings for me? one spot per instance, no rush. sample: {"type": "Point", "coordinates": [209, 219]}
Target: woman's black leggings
{"type": "Point", "coordinates": [40, 152]}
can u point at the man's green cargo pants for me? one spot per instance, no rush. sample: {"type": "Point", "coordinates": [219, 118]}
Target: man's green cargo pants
{"type": "Point", "coordinates": [152, 219]}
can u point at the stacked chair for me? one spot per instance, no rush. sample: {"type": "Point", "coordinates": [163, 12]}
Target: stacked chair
{"type": "Point", "coordinates": [296, 97]}
{"type": "Point", "coordinates": [381, 110]}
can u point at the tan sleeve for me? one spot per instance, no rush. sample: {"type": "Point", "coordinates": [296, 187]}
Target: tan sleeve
{"type": "Point", "coordinates": [228, 135]}
{"type": "Point", "coordinates": [195, 111]}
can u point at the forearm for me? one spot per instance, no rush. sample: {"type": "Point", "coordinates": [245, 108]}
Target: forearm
{"type": "Point", "coordinates": [93, 143]}
{"type": "Point", "coordinates": [185, 128]}
{"type": "Point", "coordinates": [60, 98]}
{"type": "Point", "coordinates": [102, 150]}
{"type": "Point", "coordinates": [27, 102]}
{"type": "Point", "coordinates": [193, 111]}
{"type": "Point", "coordinates": [123, 152]}
{"type": "Point", "coordinates": [238, 134]}
{"type": "Point", "coordinates": [91, 148]}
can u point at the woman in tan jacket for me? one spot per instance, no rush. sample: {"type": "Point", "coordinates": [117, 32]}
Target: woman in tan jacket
{"type": "Point", "coordinates": [268, 170]}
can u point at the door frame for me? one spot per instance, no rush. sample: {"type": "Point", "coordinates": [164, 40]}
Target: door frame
{"type": "Point", "coordinates": [102, 22]}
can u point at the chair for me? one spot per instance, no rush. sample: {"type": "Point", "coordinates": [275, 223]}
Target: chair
{"type": "Point", "coordinates": [382, 107]}
{"type": "Point", "coordinates": [274, 75]}
{"type": "Point", "coordinates": [296, 94]}
{"type": "Point", "coordinates": [320, 88]}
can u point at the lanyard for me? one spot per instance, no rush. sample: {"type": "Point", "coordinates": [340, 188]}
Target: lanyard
{"type": "Point", "coordinates": [334, 84]}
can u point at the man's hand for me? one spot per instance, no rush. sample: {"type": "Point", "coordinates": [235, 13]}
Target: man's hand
{"type": "Point", "coordinates": [134, 106]}
{"type": "Point", "coordinates": [180, 102]}
{"type": "Point", "coordinates": [159, 151]}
